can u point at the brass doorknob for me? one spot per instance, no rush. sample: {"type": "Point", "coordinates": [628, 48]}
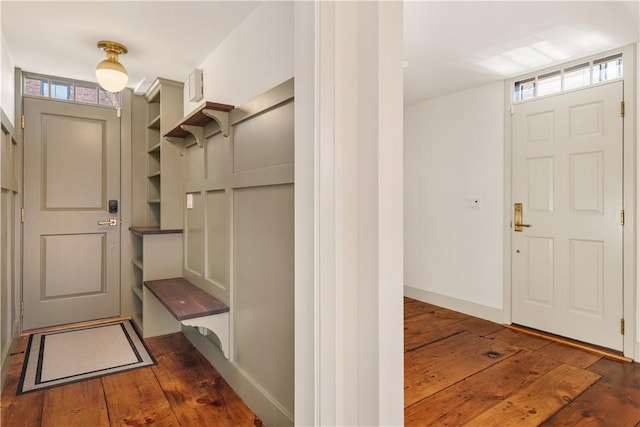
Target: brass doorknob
{"type": "Point", "coordinates": [517, 218]}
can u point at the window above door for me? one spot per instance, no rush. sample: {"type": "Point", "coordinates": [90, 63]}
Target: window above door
{"type": "Point", "coordinates": [587, 73]}
{"type": "Point", "coordinates": [61, 89]}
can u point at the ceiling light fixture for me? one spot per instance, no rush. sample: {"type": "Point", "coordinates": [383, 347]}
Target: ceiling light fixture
{"type": "Point", "coordinates": [111, 75]}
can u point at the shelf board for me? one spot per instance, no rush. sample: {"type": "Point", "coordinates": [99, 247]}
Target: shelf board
{"type": "Point", "coordinates": [137, 291]}
{"type": "Point", "coordinates": [154, 123]}
{"type": "Point", "coordinates": [197, 118]}
{"type": "Point", "coordinates": [145, 229]}
{"type": "Point", "coordinates": [154, 149]}
{"type": "Point", "coordinates": [154, 174]}
{"type": "Point", "coordinates": [154, 201]}
{"type": "Point", "coordinates": [138, 263]}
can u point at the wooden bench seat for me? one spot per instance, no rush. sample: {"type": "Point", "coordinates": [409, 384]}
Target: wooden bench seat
{"type": "Point", "coordinates": [193, 306]}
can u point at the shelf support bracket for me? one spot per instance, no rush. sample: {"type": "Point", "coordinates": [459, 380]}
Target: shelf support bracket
{"type": "Point", "coordinates": [197, 132]}
{"type": "Point", "coordinates": [216, 323]}
{"type": "Point", "coordinates": [221, 117]}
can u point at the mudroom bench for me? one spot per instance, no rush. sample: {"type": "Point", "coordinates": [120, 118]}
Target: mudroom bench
{"type": "Point", "coordinates": [192, 306]}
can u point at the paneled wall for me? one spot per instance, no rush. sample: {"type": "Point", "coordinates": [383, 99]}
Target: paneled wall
{"type": "Point", "coordinates": [238, 236]}
{"type": "Point", "coordinates": [9, 242]}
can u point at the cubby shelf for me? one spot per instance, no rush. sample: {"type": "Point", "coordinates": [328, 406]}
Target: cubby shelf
{"type": "Point", "coordinates": [156, 256]}
{"type": "Point", "coordinates": [154, 123]}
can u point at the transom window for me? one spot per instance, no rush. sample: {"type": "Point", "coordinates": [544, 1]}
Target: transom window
{"type": "Point", "coordinates": [573, 77]}
{"type": "Point", "coordinates": [69, 90]}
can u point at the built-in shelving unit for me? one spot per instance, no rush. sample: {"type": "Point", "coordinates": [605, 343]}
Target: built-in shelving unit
{"type": "Point", "coordinates": [157, 236]}
{"type": "Point", "coordinates": [157, 254]}
{"type": "Point", "coordinates": [164, 162]}
{"type": "Point", "coordinates": [157, 245]}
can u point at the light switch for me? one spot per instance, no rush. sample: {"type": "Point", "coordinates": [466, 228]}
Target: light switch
{"type": "Point", "coordinates": [189, 201]}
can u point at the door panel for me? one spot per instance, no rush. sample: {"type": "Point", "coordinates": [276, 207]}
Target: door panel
{"type": "Point", "coordinates": [65, 138]}
{"type": "Point", "coordinates": [586, 263]}
{"type": "Point", "coordinates": [540, 280]}
{"type": "Point", "coordinates": [540, 185]}
{"type": "Point", "coordinates": [587, 183]}
{"type": "Point", "coordinates": [72, 169]}
{"type": "Point", "coordinates": [567, 172]}
{"type": "Point", "coordinates": [62, 276]}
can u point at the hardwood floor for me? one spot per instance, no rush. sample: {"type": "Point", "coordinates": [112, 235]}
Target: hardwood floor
{"type": "Point", "coordinates": [182, 390]}
{"type": "Point", "coordinates": [461, 370]}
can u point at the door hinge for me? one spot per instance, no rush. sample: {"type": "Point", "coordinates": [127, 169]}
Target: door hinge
{"type": "Point", "coordinates": [22, 215]}
{"type": "Point", "coordinates": [21, 309]}
{"type": "Point", "coordinates": [622, 217]}
{"type": "Point", "coordinates": [22, 121]}
{"type": "Point", "coordinates": [622, 109]}
{"type": "Point", "coordinates": [118, 112]}
{"type": "Point", "coordinates": [621, 326]}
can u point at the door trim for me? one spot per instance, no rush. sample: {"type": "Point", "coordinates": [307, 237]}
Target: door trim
{"type": "Point", "coordinates": [631, 346]}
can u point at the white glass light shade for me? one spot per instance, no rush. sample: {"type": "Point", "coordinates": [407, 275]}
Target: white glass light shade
{"type": "Point", "coordinates": [111, 75]}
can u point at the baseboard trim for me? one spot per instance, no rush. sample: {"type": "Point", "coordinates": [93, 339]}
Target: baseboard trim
{"type": "Point", "coordinates": [462, 306]}
{"type": "Point", "coordinates": [5, 362]}
{"type": "Point", "coordinates": [258, 400]}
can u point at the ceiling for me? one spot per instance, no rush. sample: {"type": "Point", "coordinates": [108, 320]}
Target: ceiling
{"type": "Point", "coordinates": [452, 46]}
{"type": "Point", "coordinates": [449, 45]}
{"type": "Point", "coordinates": [165, 38]}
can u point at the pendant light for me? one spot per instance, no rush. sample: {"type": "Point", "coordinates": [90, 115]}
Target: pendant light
{"type": "Point", "coordinates": [111, 74]}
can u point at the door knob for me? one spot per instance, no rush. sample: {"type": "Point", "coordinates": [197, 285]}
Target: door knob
{"type": "Point", "coordinates": [517, 218]}
{"type": "Point", "coordinates": [113, 222]}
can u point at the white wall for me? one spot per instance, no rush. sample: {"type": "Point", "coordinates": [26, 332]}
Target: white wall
{"type": "Point", "coordinates": [454, 149]}
{"type": "Point", "coordinates": [7, 101]}
{"type": "Point", "coordinates": [255, 57]}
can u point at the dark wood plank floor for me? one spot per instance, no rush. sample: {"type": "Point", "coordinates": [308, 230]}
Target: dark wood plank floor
{"type": "Point", "coordinates": [182, 390]}
{"type": "Point", "coordinates": [461, 370]}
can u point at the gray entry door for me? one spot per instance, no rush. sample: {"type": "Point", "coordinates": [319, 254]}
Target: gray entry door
{"type": "Point", "coordinates": [71, 262]}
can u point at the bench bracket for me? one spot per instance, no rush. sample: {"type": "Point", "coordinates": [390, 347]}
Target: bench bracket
{"type": "Point", "coordinates": [216, 323]}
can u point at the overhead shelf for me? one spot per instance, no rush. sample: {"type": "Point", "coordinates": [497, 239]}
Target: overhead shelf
{"type": "Point", "coordinates": [194, 123]}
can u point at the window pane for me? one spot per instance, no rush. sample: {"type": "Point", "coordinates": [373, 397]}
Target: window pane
{"type": "Point", "coordinates": [607, 69]}
{"type": "Point", "coordinates": [86, 94]}
{"type": "Point", "coordinates": [36, 87]}
{"type": "Point", "coordinates": [108, 98]}
{"type": "Point", "coordinates": [549, 83]}
{"type": "Point", "coordinates": [577, 76]}
{"type": "Point", "coordinates": [61, 90]}
{"type": "Point", "coordinates": [524, 90]}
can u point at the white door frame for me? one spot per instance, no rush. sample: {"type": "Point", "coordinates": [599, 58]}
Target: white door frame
{"type": "Point", "coordinates": [631, 345]}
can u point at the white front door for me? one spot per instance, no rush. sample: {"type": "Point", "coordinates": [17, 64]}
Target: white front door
{"type": "Point", "coordinates": [567, 173]}
{"type": "Point", "coordinates": [71, 263]}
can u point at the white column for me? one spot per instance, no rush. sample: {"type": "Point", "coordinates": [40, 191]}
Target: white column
{"type": "Point", "coordinates": [349, 231]}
